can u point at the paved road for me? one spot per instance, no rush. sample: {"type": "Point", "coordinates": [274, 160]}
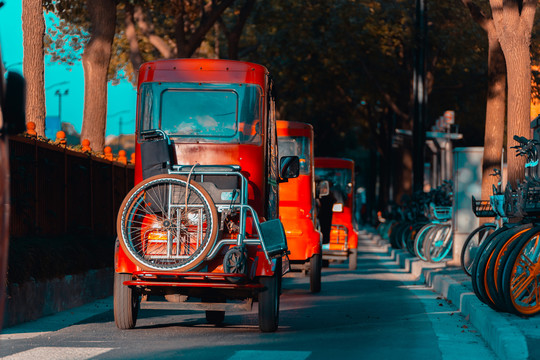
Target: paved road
{"type": "Point", "coordinates": [377, 312]}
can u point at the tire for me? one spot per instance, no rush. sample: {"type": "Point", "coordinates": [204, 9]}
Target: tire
{"type": "Point", "coordinates": [155, 230]}
{"type": "Point", "coordinates": [395, 235]}
{"type": "Point", "coordinates": [315, 273]}
{"type": "Point", "coordinates": [502, 248]}
{"type": "Point", "coordinates": [471, 244]}
{"type": "Point", "coordinates": [479, 274]}
{"type": "Point", "coordinates": [269, 301]}
{"type": "Point", "coordinates": [353, 259]}
{"type": "Point", "coordinates": [520, 282]}
{"type": "Point", "coordinates": [126, 302]}
{"type": "Point", "coordinates": [438, 243]}
{"type": "Point", "coordinates": [419, 240]}
{"type": "Point", "coordinates": [412, 236]}
{"type": "Point", "coordinates": [476, 271]}
{"type": "Point", "coordinates": [215, 317]}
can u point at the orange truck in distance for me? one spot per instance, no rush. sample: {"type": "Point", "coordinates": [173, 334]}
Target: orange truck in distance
{"type": "Point", "coordinates": [201, 228]}
{"type": "Point", "coordinates": [341, 240]}
{"type": "Point", "coordinates": [297, 202]}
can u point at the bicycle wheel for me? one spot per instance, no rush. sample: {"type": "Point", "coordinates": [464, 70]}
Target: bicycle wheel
{"type": "Point", "coordinates": [479, 276]}
{"type": "Point", "coordinates": [409, 244]}
{"type": "Point", "coordinates": [439, 243]}
{"type": "Point", "coordinates": [419, 240]}
{"type": "Point", "coordinates": [167, 224]}
{"type": "Point", "coordinates": [476, 271]}
{"type": "Point", "coordinates": [494, 263]}
{"type": "Point", "coordinates": [521, 284]}
{"type": "Point", "coordinates": [471, 244]}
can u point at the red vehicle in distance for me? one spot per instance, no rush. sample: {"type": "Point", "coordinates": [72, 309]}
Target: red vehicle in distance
{"type": "Point", "coordinates": [297, 202]}
{"type": "Point", "coordinates": [342, 241]}
{"type": "Point", "coordinates": [201, 228]}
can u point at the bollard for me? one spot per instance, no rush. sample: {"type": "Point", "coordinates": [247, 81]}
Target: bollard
{"type": "Point", "coordinates": [132, 159]}
{"type": "Point", "coordinates": [86, 145]}
{"type": "Point", "coordinates": [107, 153]}
{"type": "Point", "coordinates": [122, 157]}
{"type": "Point", "coordinates": [61, 137]}
{"type": "Point", "coordinates": [31, 128]}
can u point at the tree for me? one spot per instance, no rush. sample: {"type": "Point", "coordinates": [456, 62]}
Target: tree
{"type": "Point", "coordinates": [95, 59]}
{"type": "Point", "coordinates": [33, 25]}
{"type": "Point", "coordinates": [496, 99]}
{"type": "Point", "coordinates": [513, 20]}
{"type": "Point", "coordinates": [235, 32]}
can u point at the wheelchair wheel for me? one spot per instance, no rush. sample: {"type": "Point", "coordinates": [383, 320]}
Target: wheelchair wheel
{"type": "Point", "coordinates": [166, 224]}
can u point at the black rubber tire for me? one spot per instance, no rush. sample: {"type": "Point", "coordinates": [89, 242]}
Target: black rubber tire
{"type": "Point", "coordinates": [479, 276]}
{"type": "Point", "coordinates": [269, 301]}
{"type": "Point", "coordinates": [475, 270]}
{"type": "Point", "coordinates": [471, 244]}
{"type": "Point", "coordinates": [215, 317]}
{"type": "Point", "coordinates": [507, 279]}
{"type": "Point", "coordinates": [315, 263]}
{"type": "Point", "coordinates": [502, 250]}
{"type": "Point", "coordinates": [126, 303]}
{"type": "Point", "coordinates": [353, 259]}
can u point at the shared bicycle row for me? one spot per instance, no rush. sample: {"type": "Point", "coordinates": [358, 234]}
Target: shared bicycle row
{"type": "Point", "coordinates": [502, 255]}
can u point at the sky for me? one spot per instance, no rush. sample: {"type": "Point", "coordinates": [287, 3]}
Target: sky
{"type": "Point", "coordinates": [122, 98]}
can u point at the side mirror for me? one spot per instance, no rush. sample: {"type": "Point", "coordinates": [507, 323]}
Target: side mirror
{"type": "Point", "coordinates": [323, 188]}
{"type": "Point", "coordinates": [289, 167]}
{"type": "Point", "coordinates": [13, 113]}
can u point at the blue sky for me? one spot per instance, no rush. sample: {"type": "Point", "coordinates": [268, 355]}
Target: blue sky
{"type": "Point", "coordinates": [122, 97]}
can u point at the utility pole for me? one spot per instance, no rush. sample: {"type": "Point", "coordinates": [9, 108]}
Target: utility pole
{"type": "Point", "coordinates": [420, 96]}
{"type": "Point", "coordinates": [60, 94]}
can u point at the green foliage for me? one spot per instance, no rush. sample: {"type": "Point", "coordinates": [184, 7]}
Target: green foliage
{"type": "Point", "coordinates": [345, 65]}
{"type": "Point", "coordinates": [48, 258]}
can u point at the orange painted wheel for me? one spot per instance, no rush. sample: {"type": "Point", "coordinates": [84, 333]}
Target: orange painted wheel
{"type": "Point", "coordinates": [166, 224]}
{"type": "Point", "coordinates": [521, 285]}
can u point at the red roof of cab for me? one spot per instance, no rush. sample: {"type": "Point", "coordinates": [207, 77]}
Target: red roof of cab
{"type": "Point", "coordinates": [294, 128]}
{"type": "Point", "coordinates": [203, 70]}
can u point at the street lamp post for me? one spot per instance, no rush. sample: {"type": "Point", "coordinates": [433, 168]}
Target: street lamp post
{"type": "Point", "coordinates": [60, 94]}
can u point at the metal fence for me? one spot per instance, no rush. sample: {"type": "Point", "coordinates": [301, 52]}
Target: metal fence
{"type": "Point", "coordinates": [56, 191]}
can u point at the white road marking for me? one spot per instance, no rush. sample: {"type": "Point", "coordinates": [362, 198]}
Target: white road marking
{"type": "Point", "coordinates": [58, 353]}
{"type": "Point", "coordinates": [270, 355]}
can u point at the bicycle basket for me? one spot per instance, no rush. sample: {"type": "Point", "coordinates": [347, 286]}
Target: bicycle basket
{"type": "Point", "coordinates": [442, 212]}
{"type": "Point", "coordinates": [482, 208]}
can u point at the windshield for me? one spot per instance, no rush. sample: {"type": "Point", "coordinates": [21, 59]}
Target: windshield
{"type": "Point", "coordinates": [222, 113]}
{"type": "Point", "coordinates": [296, 146]}
{"type": "Point", "coordinates": [339, 179]}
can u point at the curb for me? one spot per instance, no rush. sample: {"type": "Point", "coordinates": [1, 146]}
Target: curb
{"type": "Point", "coordinates": [505, 339]}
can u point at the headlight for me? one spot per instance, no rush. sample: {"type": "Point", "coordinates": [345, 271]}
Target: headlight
{"type": "Point", "coordinates": [337, 207]}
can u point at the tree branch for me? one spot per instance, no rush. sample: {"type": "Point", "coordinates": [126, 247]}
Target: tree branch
{"type": "Point", "coordinates": [147, 30]}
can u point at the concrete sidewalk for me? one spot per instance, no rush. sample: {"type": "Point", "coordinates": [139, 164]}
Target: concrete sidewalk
{"type": "Point", "coordinates": [510, 336]}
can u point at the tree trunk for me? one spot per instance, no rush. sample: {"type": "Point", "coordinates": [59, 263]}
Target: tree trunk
{"type": "Point", "coordinates": [96, 58]}
{"type": "Point", "coordinates": [33, 25]}
{"type": "Point", "coordinates": [519, 105]}
{"type": "Point", "coordinates": [513, 21]}
{"type": "Point", "coordinates": [495, 116]}
{"type": "Point", "coordinates": [135, 56]}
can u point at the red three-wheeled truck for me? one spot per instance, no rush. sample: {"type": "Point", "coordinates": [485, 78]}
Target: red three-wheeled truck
{"type": "Point", "coordinates": [201, 227]}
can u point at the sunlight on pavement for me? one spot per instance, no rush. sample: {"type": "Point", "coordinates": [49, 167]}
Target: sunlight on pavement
{"type": "Point", "coordinates": [59, 353]}
{"type": "Point", "coordinates": [270, 355]}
